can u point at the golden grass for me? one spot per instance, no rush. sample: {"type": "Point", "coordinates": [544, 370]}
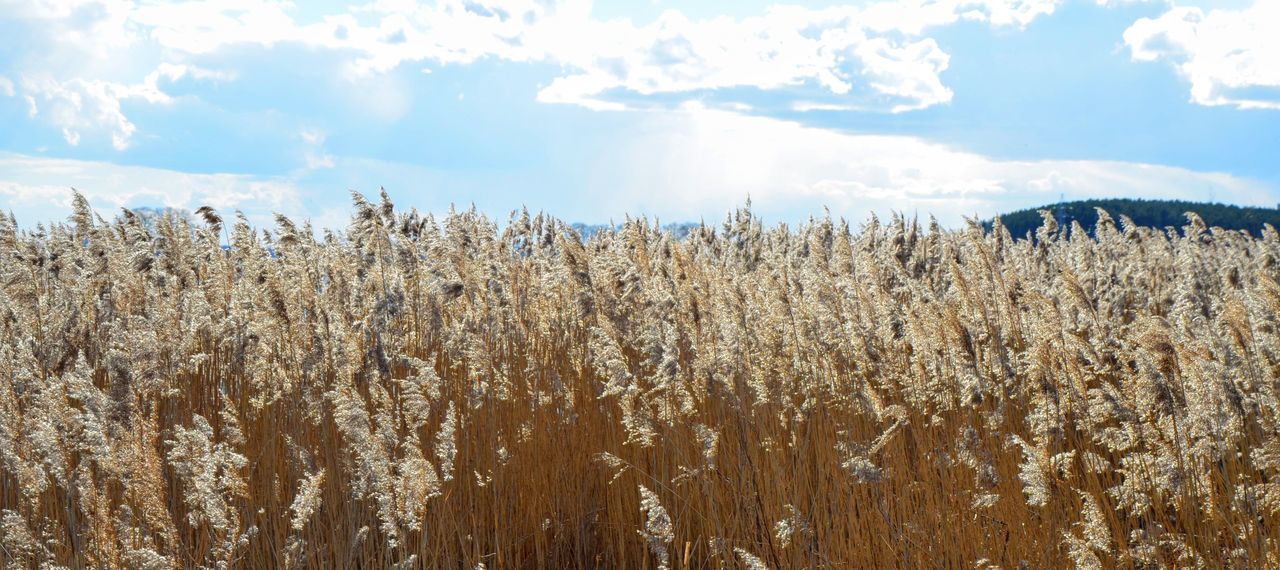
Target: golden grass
{"type": "Point", "coordinates": [423, 393]}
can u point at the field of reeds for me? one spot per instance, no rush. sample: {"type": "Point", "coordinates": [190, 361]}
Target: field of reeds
{"type": "Point", "coordinates": [458, 392]}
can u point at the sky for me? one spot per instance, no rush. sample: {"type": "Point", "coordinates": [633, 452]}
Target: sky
{"type": "Point", "coordinates": [595, 110]}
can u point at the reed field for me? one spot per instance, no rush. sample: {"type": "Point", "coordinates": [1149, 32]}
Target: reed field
{"type": "Point", "coordinates": [460, 392]}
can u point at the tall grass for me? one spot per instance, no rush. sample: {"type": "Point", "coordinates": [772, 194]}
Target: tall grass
{"type": "Point", "coordinates": [441, 393]}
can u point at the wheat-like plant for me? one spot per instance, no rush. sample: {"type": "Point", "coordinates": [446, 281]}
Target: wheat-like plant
{"type": "Point", "coordinates": [446, 392]}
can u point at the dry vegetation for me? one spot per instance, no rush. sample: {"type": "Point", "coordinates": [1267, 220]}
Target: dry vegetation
{"type": "Point", "coordinates": [448, 393]}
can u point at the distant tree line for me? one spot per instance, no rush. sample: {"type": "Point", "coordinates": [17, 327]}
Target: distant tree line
{"type": "Point", "coordinates": [1149, 213]}
{"type": "Point", "coordinates": [678, 230]}
{"type": "Point", "coordinates": [1157, 214]}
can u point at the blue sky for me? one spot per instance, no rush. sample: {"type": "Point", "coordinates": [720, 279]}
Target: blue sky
{"type": "Point", "coordinates": [594, 110]}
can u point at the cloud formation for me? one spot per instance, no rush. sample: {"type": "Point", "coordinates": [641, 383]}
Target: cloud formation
{"type": "Point", "coordinates": [704, 160]}
{"type": "Point", "coordinates": [39, 188]}
{"type": "Point", "coordinates": [683, 164]}
{"type": "Point", "coordinates": [383, 84]}
{"type": "Point", "coordinates": [1231, 57]}
{"type": "Point", "coordinates": [876, 57]}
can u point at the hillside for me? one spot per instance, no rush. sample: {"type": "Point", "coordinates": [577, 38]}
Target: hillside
{"type": "Point", "coordinates": [1149, 213]}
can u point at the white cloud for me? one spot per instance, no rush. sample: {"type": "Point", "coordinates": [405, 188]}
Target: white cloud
{"type": "Point", "coordinates": [175, 71]}
{"type": "Point", "coordinates": [90, 105]}
{"type": "Point", "coordinates": [1009, 12]}
{"type": "Point", "coordinates": [701, 162]}
{"type": "Point", "coordinates": [79, 105]}
{"type": "Point", "coordinates": [6, 87]}
{"type": "Point", "coordinates": [314, 137]}
{"type": "Point", "coordinates": [870, 57]}
{"type": "Point", "coordinates": [314, 154]}
{"type": "Point", "coordinates": [97, 26]}
{"type": "Point", "coordinates": [680, 165]}
{"type": "Point", "coordinates": [787, 47]}
{"type": "Point", "coordinates": [38, 189]}
{"type": "Point", "coordinates": [1231, 57]}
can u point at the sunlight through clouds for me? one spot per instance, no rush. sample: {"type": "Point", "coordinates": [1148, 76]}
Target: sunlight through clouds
{"type": "Point", "coordinates": [677, 109]}
{"type": "Point", "coordinates": [708, 161]}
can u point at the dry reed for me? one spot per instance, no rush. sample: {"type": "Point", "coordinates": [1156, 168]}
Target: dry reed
{"type": "Point", "coordinates": [418, 392]}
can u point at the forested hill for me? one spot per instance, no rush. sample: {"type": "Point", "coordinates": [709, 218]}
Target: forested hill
{"type": "Point", "coordinates": [1151, 213]}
